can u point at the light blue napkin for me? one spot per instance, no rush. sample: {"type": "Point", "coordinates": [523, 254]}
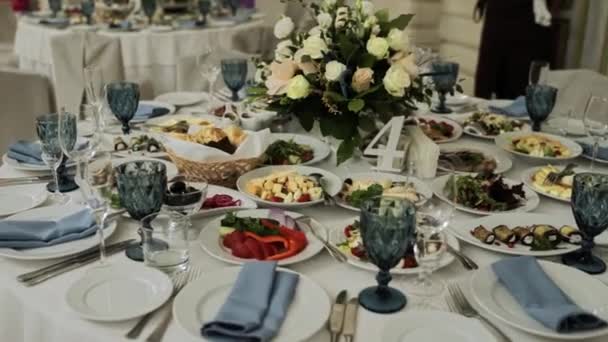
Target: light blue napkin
{"type": "Point", "coordinates": [145, 111]}
{"type": "Point", "coordinates": [587, 145]}
{"type": "Point", "coordinates": [540, 297]}
{"type": "Point", "coordinates": [26, 152]}
{"type": "Point", "coordinates": [256, 306]}
{"type": "Point", "coordinates": [515, 109]}
{"type": "Point", "coordinates": [77, 223]}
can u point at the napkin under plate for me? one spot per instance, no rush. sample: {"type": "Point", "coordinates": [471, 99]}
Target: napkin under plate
{"type": "Point", "coordinates": [256, 306]}
{"type": "Point", "coordinates": [26, 152]}
{"type": "Point", "coordinates": [149, 111]}
{"type": "Point", "coordinates": [540, 297]}
{"type": "Point", "coordinates": [587, 145]}
{"type": "Point", "coordinates": [515, 109]}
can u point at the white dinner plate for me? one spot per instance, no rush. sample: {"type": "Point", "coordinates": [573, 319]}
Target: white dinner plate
{"type": "Point", "coordinates": [211, 241]}
{"type": "Point", "coordinates": [182, 98]}
{"type": "Point", "coordinates": [171, 168]}
{"type": "Point", "coordinates": [456, 133]}
{"type": "Point", "coordinates": [584, 290]}
{"type": "Point", "coordinates": [18, 198]}
{"type": "Point", "coordinates": [418, 326]}
{"type": "Point", "coordinates": [471, 132]}
{"type": "Point", "coordinates": [119, 292]}
{"type": "Point", "coordinates": [462, 230]}
{"type": "Point", "coordinates": [503, 162]}
{"type": "Point", "coordinates": [155, 104]}
{"type": "Point", "coordinates": [333, 184]}
{"type": "Point", "coordinates": [201, 299]}
{"type": "Point", "coordinates": [504, 141]}
{"type": "Point", "coordinates": [320, 149]}
{"type": "Point", "coordinates": [336, 236]}
{"type": "Point", "coordinates": [421, 187]}
{"type": "Point", "coordinates": [246, 202]}
{"type": "Point", "coordinates": [573, 126]}
{"type": "Point", "coordinates": [531, 202]}
{"type": "Point", "coordinates": [526, 177]}
{"type": "Point", "coordinates": [55, 251]}
{"type": "Point", "coordinates": [24, 166]}
{"type": "Point", "coordinates": [589, 141]}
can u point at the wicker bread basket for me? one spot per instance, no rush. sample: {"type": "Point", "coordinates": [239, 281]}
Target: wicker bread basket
{"type": "Point", "coordinates": [218, 173]}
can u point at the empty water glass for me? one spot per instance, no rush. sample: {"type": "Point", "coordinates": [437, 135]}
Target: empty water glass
{"type": "Point", "coordinates": [165, 246]}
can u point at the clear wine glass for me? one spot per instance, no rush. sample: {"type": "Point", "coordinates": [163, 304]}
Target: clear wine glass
{"type": "Point", "coordinates": [538, 72]}
{"type": "Point", "coordinates": [47, 128]}
{"type": "Point", "coordinates": [99, 176]}
{"type": "Point", "coordinates": [209, 66]}
{"type": "Point", "coordinates": [596, 123]}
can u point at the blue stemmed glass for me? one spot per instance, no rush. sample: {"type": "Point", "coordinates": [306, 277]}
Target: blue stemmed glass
{"type": "Point", "coordinates": [123, 100]}
{"type": "Point", "coordinates": [204, 7]}
{"type": "Point", "coordinates": [590, 207]}
{"type": "Point", "coordinates": [444, 76]}
{"type": "Point", "coordinates": [47, 129]}
{"type": "Point", "coordinates": [149, 7]}
{"type": "Point", "coordinates": [141, 189]}
{"type": "Point", "coordinates": [234, 72]}
{"type": "Point", "coordinates": [388, 227]}
{"type": "Point", "coordinates": [234, 5]}
{"type": "Point", "coordinates": [540, 100]}
{"type": "Point", "coordinates": [87, 8]}
{"type": "Point", "coordinates": [55, 6]}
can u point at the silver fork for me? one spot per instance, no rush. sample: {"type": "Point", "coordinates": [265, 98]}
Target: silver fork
{"type": "Point", "coordinates": [554, 177]}
{"type": "Point", "coordinates": [161, 328]}
{"type": "Point", "coordinates": [178, 283]}
{"type": "Point", "coordinates": [304, 222]}
{"type": "Point", "coordinates": [460, 304]}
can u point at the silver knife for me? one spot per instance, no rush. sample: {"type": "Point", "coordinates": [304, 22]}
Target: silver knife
{"type": "Point", "coordinates": [350, 320]}
{"type": "Point", "coordinates": [336, 318]}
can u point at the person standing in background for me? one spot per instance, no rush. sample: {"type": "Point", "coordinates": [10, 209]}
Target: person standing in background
{"type": "Point", "coordinates": [515, 32]}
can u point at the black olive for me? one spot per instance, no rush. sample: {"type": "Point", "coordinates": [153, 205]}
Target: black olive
{"type": "Point", "coordinates": [178, 187]}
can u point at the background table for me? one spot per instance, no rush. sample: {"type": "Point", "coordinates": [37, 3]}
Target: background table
{"type": "Point", "coordinates": [41, 314]}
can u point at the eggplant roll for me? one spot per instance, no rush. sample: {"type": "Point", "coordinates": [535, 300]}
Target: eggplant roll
{"type": "Point", "coordinates": [571, 234]}
{"type": "Point", "coordinates": [524, 235]}
{"type": "Point", "coordinates": [504, 234]}
{"type": "Point", "coordinates": [546, 232]}
{"type": "Point", "coordinates": [120, 145]}
{"type": "Point", "coordinates": [483, 235]}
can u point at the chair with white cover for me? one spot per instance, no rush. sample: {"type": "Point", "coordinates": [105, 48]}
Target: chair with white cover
{"type": "Point", "coordinates": [25, 96]}
{"type": "Point", "coordinates": [8, 24]}
{"type": "Point", "coordinates": [574, 88]}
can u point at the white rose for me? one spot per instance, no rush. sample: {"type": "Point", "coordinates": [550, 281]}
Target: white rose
{"type": "Point", "coordinates": [333, 70]}
{"type": "Point", "coordinates": [283, 28]}
{"type": "Point", "coordinates": [324, 19]}
{"type": "Point", "coordinates": [367, 7]}
{"type": "Point", "coordinates": [376, 30]}
{"type": "Point", "coordinates": [330, 3]}
{"type": "Point", "coordinates": [370, 21]}
{"type": "Point", "coordinates": [315, 31]}
{"type": "Point", "coordinates": [378, 47]}
{"type": "Point", "coordinates": [396, 80]}
{"type": "Point", "coordinates": [315, 46]}
{"type": "Point", "coordinates": [284, 50]}
{"type": "Point", "coordinates": [398, 40]}
{"type": "Point", "coordinates": [298, 88]}
{"type": "Point", "coordinates": [407, 62]}
{"type": "Point", "coordinates": [308, 67]}
{"type": "Point", "coordinates": [260, 75]}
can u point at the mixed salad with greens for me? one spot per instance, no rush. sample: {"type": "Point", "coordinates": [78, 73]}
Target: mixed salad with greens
{"type": "Point", "coordinates": [485, 191]}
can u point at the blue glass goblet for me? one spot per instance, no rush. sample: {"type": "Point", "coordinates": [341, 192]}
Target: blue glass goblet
{"type": "Point", "coordinates": [141, 188]}
{"type": "Point", "coordinates": [590, 207]}
{"type": "Point", "coordinates": [123, 100]}
{"type": "Point", "coordinates": [55, 6]}
{"type": "Point", "coordinates": [234, 72]}
{"type": "Point", "coordinates": [47, 129]}
{"type": "Point", "coordinates": [204, 7]}
{"type": "Point", "coordinates": [444, 76]}
{"type": "Point", "coordinates": [149, 7]}
{"type": "Point", "coordinates": [388, 227]}
{"type": "Point", "coordinates": [540, 100]}
{"type": "Point", "coordinates": [87, 8]}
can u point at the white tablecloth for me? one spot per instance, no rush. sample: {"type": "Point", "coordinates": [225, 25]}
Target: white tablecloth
{"type": "Point", "coordinates": [146, 56]}
{"type": "Point", "coordinates": [40, 313]}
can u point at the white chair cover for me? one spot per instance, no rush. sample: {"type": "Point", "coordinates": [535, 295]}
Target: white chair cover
{"type": "Point", "coordinates": [574, 88]}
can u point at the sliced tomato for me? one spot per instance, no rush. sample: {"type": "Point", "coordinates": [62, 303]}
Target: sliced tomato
{"type": "Point", "coordinates": [270, 224]}
{"type": "Point", "coordinates": [255, 248]}
{"type": "Point", "coordinates": [276, 199]}
{"type": "Point", "coordinates": [304, 198]}
{"type": "Point", "coordinates": [232, 238]}
{"type": "Point", "coordinates": [348, 230]}
{"type": "Point", "coordinates": [240, 250]}
{"type": "Point", "coordinates": [359, 252]}
{"type": "Point", "coordinates": [269, 250]}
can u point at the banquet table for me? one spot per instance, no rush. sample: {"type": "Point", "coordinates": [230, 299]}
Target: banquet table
{"type": "Point", "coordinates": [146, 56]}
{"type": "Point", "coordinates": [40, 313]}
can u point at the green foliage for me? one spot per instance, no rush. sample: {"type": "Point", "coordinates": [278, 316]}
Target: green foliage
{"type": "Point", "coordinates": [347, 148]}
{"type": "Point", "coordinates": [367, 60]}
{"type": "Point", "coordinates": [356, 105]}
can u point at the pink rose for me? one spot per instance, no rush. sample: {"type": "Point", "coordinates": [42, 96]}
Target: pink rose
{"type": "Point", "coordinates": [362, 79]}
{"type": "Point", "coordinates": [407, 62]}
{"type": "Point", "coordinates": [280, 75]}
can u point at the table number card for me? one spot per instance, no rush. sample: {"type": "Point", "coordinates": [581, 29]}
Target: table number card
{"type": "Point", "coordinates": [392, 156]}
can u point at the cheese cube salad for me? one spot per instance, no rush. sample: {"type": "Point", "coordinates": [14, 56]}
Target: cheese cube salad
{"type": "Point", "coordinates": [285, 187]}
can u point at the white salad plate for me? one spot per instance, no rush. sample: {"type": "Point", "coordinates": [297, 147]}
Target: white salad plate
{"type": "Point", "coordinates": [201, 299]}
{"type": "Point", "coordinates": [526, 177]}
{"type": "Point", "coordinates": [503, 162]}
{"type": "Point", "coordinates": [171, 168]}
{"type": "Point", "coordinates": [246, 202]}
{"type": "Point", "coordinates": [504, 141]}
{"type": "Point", "coordinates": [435, 326]}
{"type": "Point", "coordinates": [456, 134]}
{"type": "Point", "coordinates": [55, 251]}
{"type": "Point", "coordinates": [331, 183]}
{"type": "Point", "coordinates": [586, 291]}
{"type": "Point", "coordinates": [182, 98]}
{"type": "Point", "coordinates": [18, 198]}
{"type": "Point", "coordinates": [109, 142]}
{"type": "Point", "coordinates": [211, 241]}
{"type": "Point", "coordinates": [462, 230]}
{"type": "Point", "coordinates": [337, 236]}
{"type": "Point", "coordinates": [421, 187]}
{"type": "Point", "coordinates": [474, 133]}
{"type": "Point", "coordinates": [156, 104]}
{"type": "Point", "coordinates": [119, 293]}
{"type": "Point", "coordinates": [589, 141]}
{"type": "Point", "coordinates": [530, 203]}
{"type": "Point", "coordinates": [320, 149]}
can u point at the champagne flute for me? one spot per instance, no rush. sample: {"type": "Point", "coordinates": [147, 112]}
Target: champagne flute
{"type": "Point", "coordinates": [47, 129]}
{"type": "Point", "coordinates": [596, 123]}
{"type": "Point", "coordinates": [95, 90]}
{"type": "Point", "coordinates": [99, 176]}
{"type": "Point", "coordinates": [209, 66]}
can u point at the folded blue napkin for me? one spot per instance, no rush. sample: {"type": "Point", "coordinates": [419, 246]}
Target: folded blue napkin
{"type": "Point", "coordinates": [540, 297]}
{"type": "Point", "coordinates": [150, 111]}
{"type": "Point", "coordinates": [76, 223]}
{"type": "Point", "coordinates": [256, 306]}
{"type": "Point", "coordinates": [26, 152]}
{"type": "Point", "coordinates": [516, 109]}
{"type": "Point", "coordinates": [587, 145]}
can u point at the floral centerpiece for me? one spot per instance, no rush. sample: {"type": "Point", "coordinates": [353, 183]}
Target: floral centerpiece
{"type": "Point", "coordinates": [355, 66]}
